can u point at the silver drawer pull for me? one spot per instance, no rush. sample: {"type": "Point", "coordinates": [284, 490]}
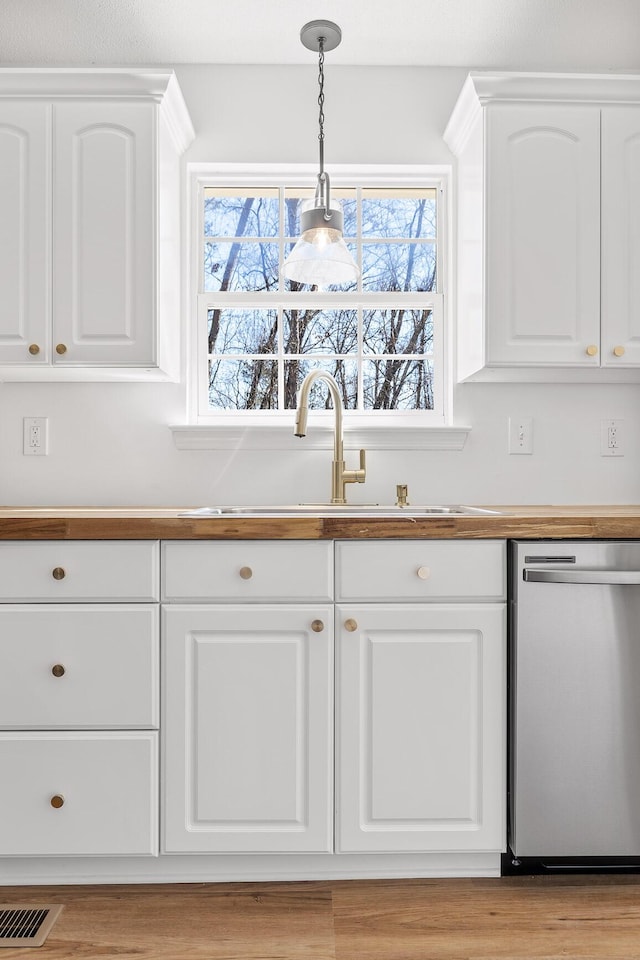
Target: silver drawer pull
{"type": "Point", "coordinates": [423, 572]}
{"type": "Point", "coordinates": [619, 577]}
{"type": "Point", "coordinates": [246, 573]}
{"type": "Point", "coordinates": [58, 573]}
{"type": "Point", "coordinates": [58, 670]}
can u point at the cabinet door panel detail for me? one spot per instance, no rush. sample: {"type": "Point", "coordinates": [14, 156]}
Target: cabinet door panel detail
{"type": "Point", "coordinates": [543, 234]}
{"type": "Point", "coordinates": [420, 707]}
{"type": "Point", "coordinates": [248, 727]}
{"type": "Point", "coordinates": [109, 214]}
{"type": "Point", "coordinates": [412, 776]}
{"type": "Point", "coordinates": [239, 721]}
{"type": "Point", "coordinates": [621, 236]}
{"type": "Point", "coordinates": [104, 234]}
{"type": "Point", "coordinates": [24, 231]}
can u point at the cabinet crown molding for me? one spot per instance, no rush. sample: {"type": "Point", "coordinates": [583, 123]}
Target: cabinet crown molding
{"type": "Point", "coordinates": [59, 83]}
{"type": "Point", "coordinates": [482, 88]}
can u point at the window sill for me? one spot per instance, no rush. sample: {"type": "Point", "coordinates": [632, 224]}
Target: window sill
{"type": "Point", "coordinates": [320, 437]}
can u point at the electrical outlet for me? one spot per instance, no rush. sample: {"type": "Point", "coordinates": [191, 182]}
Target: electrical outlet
{"type": "Point", "coordinates": [611, 438]}
{"type": "Point", "coordinates": [35, 436]}
{"type": "Point", "coordinates": [520, 435]}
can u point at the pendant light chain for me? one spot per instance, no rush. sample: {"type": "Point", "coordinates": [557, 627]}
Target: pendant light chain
{"type": "Point", "coordinates": [321, 102]}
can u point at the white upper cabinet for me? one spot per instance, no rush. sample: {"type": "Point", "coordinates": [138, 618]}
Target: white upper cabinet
{"type": "Point", "coordinates": [548, 205]}
{"type": "Point", "coordinates": [89, 207]}
{"type": "Point", "coordinates": [25, 229]}
{"type": "Point", "coordinates": [103, 257]}
{"type": "Point", "coordinates": [543, 234]}
{"type": "Point", "coordinates": [621, 236]}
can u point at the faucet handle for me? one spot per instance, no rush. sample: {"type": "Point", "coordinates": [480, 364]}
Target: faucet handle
{"type": "Point", "coordinates": [352, 476]}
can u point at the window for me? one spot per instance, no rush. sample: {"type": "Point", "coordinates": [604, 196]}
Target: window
{"type": "Point", "coordinates": [259, 335]}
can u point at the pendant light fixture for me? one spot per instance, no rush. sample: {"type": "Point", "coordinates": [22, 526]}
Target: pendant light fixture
{"type": "Point", "coordinates": [321, 257]}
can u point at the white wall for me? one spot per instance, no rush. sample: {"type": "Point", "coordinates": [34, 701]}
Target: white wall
{"type": "Point", "coordinates": [110, 444]}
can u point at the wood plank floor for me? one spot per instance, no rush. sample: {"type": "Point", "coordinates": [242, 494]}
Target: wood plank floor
{"type": "Point", "coordinates": [514, 918]}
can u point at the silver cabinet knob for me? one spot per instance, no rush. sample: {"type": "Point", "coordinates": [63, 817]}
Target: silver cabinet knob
{"type": "Point", "coordinates": [423, 572]}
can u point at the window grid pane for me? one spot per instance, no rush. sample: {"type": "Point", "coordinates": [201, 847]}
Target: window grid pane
{"type": "Point", "coordinates": [381, 356]}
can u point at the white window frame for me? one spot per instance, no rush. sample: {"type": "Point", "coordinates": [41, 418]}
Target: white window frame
{"type": "Point", "coordinates": [271, 429]}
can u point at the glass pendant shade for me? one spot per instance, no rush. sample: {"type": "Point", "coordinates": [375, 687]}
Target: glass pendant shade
{"type": "Point", "coordinates": [320, 258]}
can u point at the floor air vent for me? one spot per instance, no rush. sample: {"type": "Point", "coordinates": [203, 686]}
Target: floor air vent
{"type": "Point", "coordinates": [26, 925]}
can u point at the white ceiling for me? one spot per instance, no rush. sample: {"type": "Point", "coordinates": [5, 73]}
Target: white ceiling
{"type": "Point", "coordinates": [550, 35]}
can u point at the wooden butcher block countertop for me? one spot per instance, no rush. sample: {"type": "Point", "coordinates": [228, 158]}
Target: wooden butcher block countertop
{"type": "Point", "coordinates": [144, 523]}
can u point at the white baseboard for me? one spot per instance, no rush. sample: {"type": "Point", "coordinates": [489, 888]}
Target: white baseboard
{"type": "Point", "coordinates": [227, 868]}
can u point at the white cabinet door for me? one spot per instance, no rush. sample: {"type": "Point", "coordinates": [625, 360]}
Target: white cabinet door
{"type": "Point", "coordinates": [247, 722]}
{"type": "Point", "coordinates": [542, 210]}
{"type": "Point", "coordinates": [25, 231]}
{"type": "Point", "coordinates": [621, 236]}
{"type": "Point", "coordinates": [105, 228]}
{"type": "Point", "coordinates": [420, 727]}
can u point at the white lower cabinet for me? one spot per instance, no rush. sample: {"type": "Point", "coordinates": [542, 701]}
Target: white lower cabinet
{"type": "Point", "coordinates": [248, 720]}
{"type": "Point", "coordinates": [361, 737]}
{"type": "Point", "coordinates": [248, 728]}
{"type": "Point", "coordinates": [420, 695]}
{"type": "Point", "coordinates": [79, 699]}
{"type": "Point", "coordinates": [420, 718]}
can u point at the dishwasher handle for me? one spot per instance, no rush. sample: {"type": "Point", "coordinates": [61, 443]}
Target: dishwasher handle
{"type": "Point", "coordinates": [620, 577]}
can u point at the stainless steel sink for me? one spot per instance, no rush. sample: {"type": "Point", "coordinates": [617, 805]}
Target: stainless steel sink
{"type": "Point", "coordinates": [339, 510]}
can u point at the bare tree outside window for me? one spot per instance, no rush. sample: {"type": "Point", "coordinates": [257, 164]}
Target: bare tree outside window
{"type": "Point", "coordinates": [264, 335]}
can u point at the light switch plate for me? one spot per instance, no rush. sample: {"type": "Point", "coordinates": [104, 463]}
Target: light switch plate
{"type": "Point", "coordinates": [520, 435]}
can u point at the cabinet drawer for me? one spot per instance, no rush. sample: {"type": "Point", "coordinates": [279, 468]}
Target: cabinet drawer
{"type": "Point", "coordinates": [79, 665]}
{"type": "Point", "coordinates": [54, 570]}
{"type": "Point", "coordinates": [107, 784]}
{"type": "Point", "coordinates": [421, 570]}
{"type": "Point", "coordinates": [247, 570]}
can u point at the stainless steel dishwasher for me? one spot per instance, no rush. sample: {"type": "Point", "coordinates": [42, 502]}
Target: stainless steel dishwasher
{"type": "Point", "coordinates": [574, 731]}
